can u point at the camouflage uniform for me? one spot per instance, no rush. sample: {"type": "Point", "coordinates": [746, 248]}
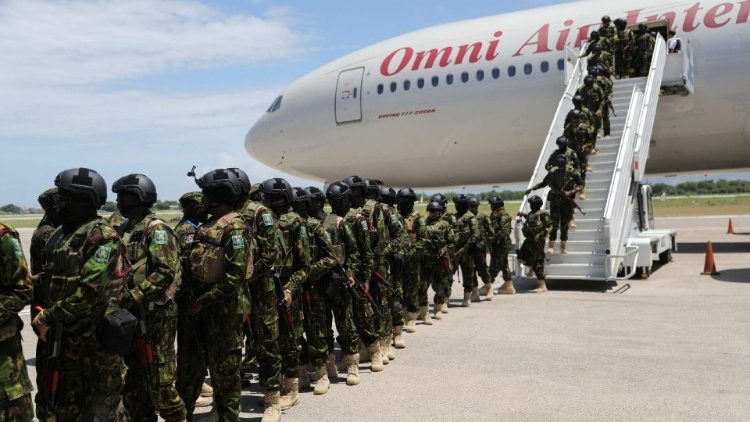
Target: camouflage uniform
{"type": "Point", "coordinates": [480, 251]}
{"type": "Point", "coordinates": [15, 293]}
{"type": "Point", "coordinates": [154, 255]}
{"type": "Point", "coordinates": [560, 181]}
{"type": "Point", "coordinates": [116, 219]}
{"type": "Point", "coordinates": [581, 141]}
{"type": "Point", "coordinates": [643, 50]}
{"type": "Point", "coordinates": [379, 238]}
{"type": "Point", "coordinates": [596, 102]}
{"type": "Point", "coordinates": [536, 226]}
{"type": "Point", "coordinates": [294, 269]}
{"type": "Point", "coordinates": [623, 45]}
{"type": "Point", "coordinates": [221, 261]}
{"type": "Point", "coordinates": [500, 243]}
{"type": "Point", "coordinates": [394, 248]}
{"type": "Point", "coordinates": [264, 313]}
{"type": "Point", "coordinates": [42, 233]}
{"type": "Point", "coordinates": [450, 217]}
{"type": "Point", "coordinates": [363, 312]}
{"type": "Point", "coordinates": [569, 152]}
{"type": "Point", "coordinates": [467, 237]}
{"type": "Point", "coordinates": [414, 225]}
{"type": "Point", "coordinates": [438, 271]}
{"type": "Point", "coordinates": [84, 275]}
{"type": "Point", "coordinates": [607, 37]}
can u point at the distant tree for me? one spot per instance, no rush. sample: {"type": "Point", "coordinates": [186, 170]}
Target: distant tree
{"type": "Point", "coordinates": [109, 207]}
{"type": "Point", "coordinates": [11, 209]}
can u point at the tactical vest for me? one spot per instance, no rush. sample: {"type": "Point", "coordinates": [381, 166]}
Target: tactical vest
{"type": "Point", "coordinates": [250, 213]}
{"type": "Point", "coordinates": [334, 225]}
{"type": "Point", "coordinates": [377, 231]}
{"type": "Point", "coordinates": [12, 325]}
{"type": "Point", "coordinates": [65, 257]}
{"type": "Point", "coordinates": [436, 232]}
{"type": "Point", "coordinates": [313, 224]}
{"type": "Point", "coordinates": [483, 223]}
{"type": "Point", "coordinates": [535, 224]}
{"type": "Point", "coordinates": [136, 244]}
{"type": "Point", "coordinates": [288, 224]}
{"type": "Point", "coordinates": [411, 223]}
{"type": "Point", "coordinates": [208, 252]}
{"type": "Point", "coordinates": [463, 226]}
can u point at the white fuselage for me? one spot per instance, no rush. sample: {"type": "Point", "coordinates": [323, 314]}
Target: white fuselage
{"type": "Point", "coordinates": [334, 122]}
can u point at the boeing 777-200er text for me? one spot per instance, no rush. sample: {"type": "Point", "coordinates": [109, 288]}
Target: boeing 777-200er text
{"type": "Point", "coordinates": [471, 102]}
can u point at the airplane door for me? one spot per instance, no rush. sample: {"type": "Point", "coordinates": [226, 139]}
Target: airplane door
{"type": "Point", "coordinates": [349, 96]}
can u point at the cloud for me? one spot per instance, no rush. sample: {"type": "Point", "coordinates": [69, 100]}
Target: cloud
{"type": "Point", "coordinates": [84, 42]}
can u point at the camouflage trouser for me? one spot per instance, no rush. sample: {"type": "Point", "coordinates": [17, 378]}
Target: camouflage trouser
{"type": "Point", "coordinates": [434, 274]}
{"type": "Point", "coordinates": [532, 255]}
{"type": "Point", "coordinates": [410, 282]}
{"type": "Point", "coordinates": [365, 322]}
{"type": "Point", "coordinates": [15, 386]}
{"type": "Point", "coordinates": [381, 294]}
{"type": "Point", "coordinates": [162, 326]}
{"type": "Point", "coordinates": [499, 260]}
{"type": "Point", "coordinates": [561, 212]}
{"type": "Point", "coordinates": [621, 64]}
{"type": "Point", "coordinates": [290, 333]}
{"type": "Point", "coordinates": [251, 351]}
{"type": "Point", "coordinates": [480, 263]}
{"type": "Point", "coordinates": [605, 121]}
{"type": "Point", "coordinates": [212, 340]}
{"type": "Point", "coordinates": [340, 305]}
{"type": "Point", "coordinates": [468, 272]}
{"type": "Point", "coordinates": [396, 302]}
{"type": "Point", "coordinates": [265, 323]}
{"type": "Point", "coordinates": [90, 381]}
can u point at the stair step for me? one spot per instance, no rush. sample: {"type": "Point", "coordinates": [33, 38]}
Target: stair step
{"type": "Point", "coordinates": [586, 246]}
{"type": "Point", "coordinates": [575, 257]}
{"type": "Point", "coordinates": [585, 223]}
{"type": "Point", "coordinates": [598, 183]}
{"type": "Point", "coordinates": [584, 234]}
{"type": "Point", "coordinates": [553, 271]}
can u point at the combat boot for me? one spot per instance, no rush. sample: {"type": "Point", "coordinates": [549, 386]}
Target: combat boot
{"type": "Point", "coordinates": [438, 316]}
{"type": "Point", "coordinates": [490, 293]}
{"type": "Point", "coordinates": [424, 312]}
{"type": "Point", "coordinates": [444, 308]}
{"type": "Point", "coordinates": [272, 413]}
{"type": "Point", "coordinates": [572, 224]}
{"type": "Point", "coordinates": [384, 351]}
{"type": "Point", "coordinates": [304, 378]}
{"type": "Point", "coordinates": [467, 298]}
{"type": "Point", "coordinates": [541, 287]}
{"type": "Point", "coordinates": [364, 354]}
{"type": "Point", "coordinates": [376, 361]}
{"type": "Point", "coordinates": [475, 295]}
{"type": "Point", "coordinates": [207, 390]}
{"type": "Point", "coordinates": [411, 322]}
{"type": "Point", "coordinates": [291, 398]}
{"type": "Point", "coordinates": [398, 338]}
{"type": "Point", "coordinates": [563, 247]}
{"type": "Point", "coordinates": [507, 288]}
{"type": "Point", "coordinates": [582, 195]}
{"type": "Point", "coordinates": [483, 289]}
{"type": "Point", "coordinates": [331, 368]}
{"type": "Point", "coordinates": [530, 271]}
{"type": "Point", "coordinates": [352, 369]}
{"type": "Point", "coordinates": [323, 384]}
{"type": "Point", "coordinates": [203, 401]}
{"type": "Point", "coordinates": [389, 350]}
{"type": "Point", "coordinates": [551, 248]}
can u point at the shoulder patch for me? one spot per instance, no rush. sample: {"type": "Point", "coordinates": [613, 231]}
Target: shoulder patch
{"type": "Point", "coordinates": [363, 224]}
{"type": "Point", "coordinates": [102, 254]}
{"type": "Point", "coordinates": [303, 232]}
{"type": "Point", "coordinates": [160, 237]}
{"type": "Point", "coordinates": [238, 241]}
{"type": "Point", "coordinates": [267, 219]}
{"type": "Point", "coordinates": [17, 250]}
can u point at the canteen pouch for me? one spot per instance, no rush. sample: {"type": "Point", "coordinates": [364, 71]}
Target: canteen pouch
{"type": "Point", "coordinates": [117, 331]}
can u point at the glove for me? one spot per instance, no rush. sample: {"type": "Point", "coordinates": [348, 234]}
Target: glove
{"type": "Point", "coordinates": [527, 191]}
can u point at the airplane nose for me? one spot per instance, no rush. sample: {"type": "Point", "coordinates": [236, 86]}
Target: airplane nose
{"type": "Point", "coordinates": [259, 145]}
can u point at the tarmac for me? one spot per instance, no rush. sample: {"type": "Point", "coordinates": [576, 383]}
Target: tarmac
{"type": "Point", "coordinates": [673, 347]}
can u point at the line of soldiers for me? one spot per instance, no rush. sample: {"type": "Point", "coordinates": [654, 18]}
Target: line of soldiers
{"type": "Point", "coordinates": [133, 314]}
{"type": "Point", "coordinates": [624, 52]}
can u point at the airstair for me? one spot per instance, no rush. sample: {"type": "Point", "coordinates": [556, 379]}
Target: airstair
{"type": "Point", "coordinates": [616, 238]}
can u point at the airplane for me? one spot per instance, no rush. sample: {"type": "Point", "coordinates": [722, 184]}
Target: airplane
{"type": "Point", "coordinates": [470, 102]}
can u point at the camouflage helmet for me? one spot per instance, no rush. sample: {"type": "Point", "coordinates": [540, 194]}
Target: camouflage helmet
{"type": "Point", "coordinates": [243, 178]}
{"type": "Point", "coordinates": [562, 141]}
{"type": "Point", "coordinates": [337, 191]}
{"type": "Point", "coordinates": [497, 201]}
{"type": "Point", "coordinates": [436, 206]}
{"type": "Point", "coordinates": [47, 199]}
{"type": "Point", "coordinates": [277, 187]}
{"type": "Point", "coordinates": [191, 197]}
{"type": "Point", "coordinates": [460, 199]}
{"type": "Point", "coordinates": [535, 202]}
{"type": "Point", "coordinates": [407, 194]}
{"type": "Point", "coordinates": [139, 185]}
{"type": "Point", "coordinates": [589, 81]}
{"type": "Point", "coordinates": [83, 182]}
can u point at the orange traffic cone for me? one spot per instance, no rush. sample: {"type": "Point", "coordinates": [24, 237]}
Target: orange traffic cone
{"type": "Point", "coordinates": [730, 228]}
{"type": "Point", "coordinates": [709, 268]}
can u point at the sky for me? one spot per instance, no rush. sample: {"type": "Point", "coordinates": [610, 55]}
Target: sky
{"type": "Point", "coordinates": [157, 86]}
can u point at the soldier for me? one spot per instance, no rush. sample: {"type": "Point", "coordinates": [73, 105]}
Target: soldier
{"type": "Point", "coordinates": [438, 240]}
{"type": "Point", "coordinates": [363, 312]}
{"type": "Point", "coordinates": [268, 252]}
{"type": "Point", "coordinates": [480, 251]}
{"type": "Point", "coordinates": [563, 181]}
{"type": "Point", "coordinates": [600, 58]}
{"type": "Point", "coordinates": [536, 226]}
{"type": "Point", "coordinates": [643, 50]}
{"type": "Point", "coordinates": [580, 134]}
{"type": "Point", "coordinates": [585, 114]}
{"type": "Point", "coordinates": [395, 256]}
{"type": "Point", "coordinates": [192, 217]}
{"type": "Point", "coordinates": [292, 274]}
{"type": "Point", "coordinates": [623, 44]}
{"type": "Point", "coordinates": [116, 219]}
{"type": "Point", "coordinates": [604, 81]}
{"type": "Point", "coordinates": [500, 244]}
{"type": "Point", "coordinates": [563, 148]}
{"type": "Point", "coordinates": [594, 99]}
{"type": "Point", "coordinates": [154, 256]}
{"type": "Point", "coordinates": [414, 225]}
{"type": "Point", "coordinates": [15, 294]}
{"type": "Point", "coordinates": [220, 264]}
{"type": "Point", "coordinates": [50, 221]}
{"type": "Point", "coordinates": [85, 267]}
{"type": "Point", "coordinates": [450, 217]}
{"type": "Point", "coordinates": [467, 237]}
{"type": "Point", "coordinates": [607, 32]}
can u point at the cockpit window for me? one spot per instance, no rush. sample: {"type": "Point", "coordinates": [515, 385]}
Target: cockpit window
{"type": "Point", "coordinates": [275, 105]}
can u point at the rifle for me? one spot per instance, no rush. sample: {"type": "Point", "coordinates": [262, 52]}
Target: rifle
{"type": "Point", "coordinates": [357, 290]}
{"type": "Point", "coordinates": [50, 365]}
{"type": "Point", "coordinates": [611, 107]}
{"type": "Point", "coordinates": [145, 348]}
{"type": "Point", "coordinates": [571, 201]}
{"type": "Point", "coordinates": [285, 311]}
{"type": "Point", "coordinates": [441, 254]}
{"type": "Point", "coordinates": [381, 279]}
{"type": "Point", "coordinates": [310, 326]}
{"type": "Point", "coordinates": [189, 291]}
{"type": "Point", "coordinates": [529, 235]}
